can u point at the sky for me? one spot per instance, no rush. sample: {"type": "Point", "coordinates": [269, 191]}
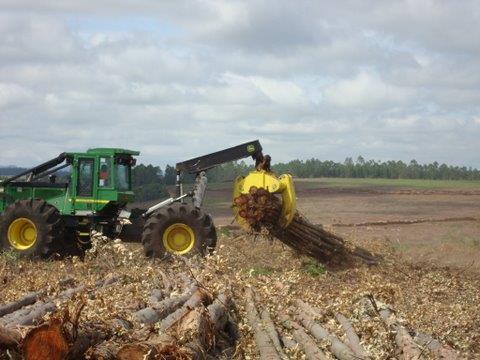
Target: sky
{"type": "Point", "coordinates": [177, 79]}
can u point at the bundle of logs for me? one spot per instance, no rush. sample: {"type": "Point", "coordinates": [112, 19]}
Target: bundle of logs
{"type": "Point", "coordinates": [262, 210]}
{"type": "Point", "coordinates": [183, 321]}
{"type": "Point", "coordinates": [299, 333]}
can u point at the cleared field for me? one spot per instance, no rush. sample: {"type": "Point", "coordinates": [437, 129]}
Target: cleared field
{"type": "Point", "coordinates": [444, 237]}
{"type": "Point", "coordinates": [429, 275]}
{"type": "Point", "coordinates": [397, 183]}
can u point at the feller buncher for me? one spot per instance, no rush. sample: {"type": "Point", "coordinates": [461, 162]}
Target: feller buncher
{"type": "Point", "coordinates": [47, 209]}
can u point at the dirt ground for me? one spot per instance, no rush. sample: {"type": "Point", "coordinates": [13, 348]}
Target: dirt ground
{"type": "Point", "coordinates": [448, 242]}
{"type": "Point", "coordinates": [429, 276]}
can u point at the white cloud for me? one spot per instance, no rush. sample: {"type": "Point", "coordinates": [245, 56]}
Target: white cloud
{"type": "Point", "coordinates": [309, 78]}
{"type": "Point", "coordinates": [365, 90]}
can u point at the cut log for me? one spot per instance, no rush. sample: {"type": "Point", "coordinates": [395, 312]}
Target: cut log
{"type": "Point", "coordinates": [269, 327]}
{"type": "Point", "coordinates": [264, 344]}
{"type": "Point", "coordinates": [289, 343]}
{"type": "Point", "coordinates": [196, 329]}
{"type": "Point", "coordinates": [217, 311]}
{"type": "Point", "coordinates": [307, 344]}
{"type": "Point", "coordinates": [439, 350]}
{"type": "Point", "coordinates": [138, 351]}
{"type": "Point", "coordinates": [261, 211]}
{"type": "Point", "coordinates": [408, 350]}
{"type": "Point", "coordinates": [32, 314]}
{"type": "Point", "coordinates": [46, 342]}
{"type": "Point", "coordinates": [352, 337]}
{"type": "Point", "coordinates": [337, 347]}
{"type": "Point", "coordinates": [153, 314]}
{"type": "Point", "coordinates": [28, 299]}
{"type": "Point", "coordinates": [106, 350]}
{"type": "Point", "coordinates": [9, 339]}
{"type": "Point", "coordinates": [311, 310]}
{"type": "Point", "coordinates": [29, 316]}
{"type": "Point", "coordinates": [199, 297]}
{"type": "Point", "coordinates": [87, 337]}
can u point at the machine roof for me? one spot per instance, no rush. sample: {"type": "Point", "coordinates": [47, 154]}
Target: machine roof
{"type": "Point", "coordinates": [112, 151]}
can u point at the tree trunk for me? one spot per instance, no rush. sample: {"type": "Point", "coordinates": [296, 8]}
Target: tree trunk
{"type": "Point", "coordinates": [353, 339]}
{"type": "Point", "coordinates": [263, 341]}
{"type": "Point", "coordinates": [28, 299]}
{"type": "Point", "coordinates": [337, 347]}
{"type": "Point", "coordinates": [309, 347]}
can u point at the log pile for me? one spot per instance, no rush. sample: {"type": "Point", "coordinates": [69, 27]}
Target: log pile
{"type": "Point", "coordinates": [304, 331]}
{"type": "Point", "coordinates": [188, 322]}
{"type": "Point", "coordinates": [261, 210]}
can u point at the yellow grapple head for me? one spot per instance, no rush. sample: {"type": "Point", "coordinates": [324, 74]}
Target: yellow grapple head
{"type": "Point", "coordinates": [282, 185]}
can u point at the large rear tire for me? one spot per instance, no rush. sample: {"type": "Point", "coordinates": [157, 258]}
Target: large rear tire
{"type": "Point", "coordinates": [179, 229]}
{"type": "Point", "coordinates": [31, 228]}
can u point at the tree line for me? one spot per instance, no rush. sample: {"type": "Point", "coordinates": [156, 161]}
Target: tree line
{"type": "Point", "coordinates": [361, 168]}
{"type": "Point", "coordinates": [150, 181]}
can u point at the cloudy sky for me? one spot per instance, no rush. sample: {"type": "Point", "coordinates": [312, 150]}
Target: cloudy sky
{"type": "Point", "coordinates": [177, 79]}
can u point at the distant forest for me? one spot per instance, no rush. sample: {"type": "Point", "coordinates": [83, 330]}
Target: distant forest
{"type": "Point", "coordinates": [149, 179]}
{"type": "Point", "coordinates": [149, 182]}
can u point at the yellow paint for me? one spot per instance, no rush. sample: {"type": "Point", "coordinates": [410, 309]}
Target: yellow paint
{"type": "Point", "coordinates": [91, 201]}
{"type": "Point", "coordinates": [178, 238]}
{"type": "Point", "coordinates": [282, 185]}
{"type": "Point", "coordinates": [22, 234]}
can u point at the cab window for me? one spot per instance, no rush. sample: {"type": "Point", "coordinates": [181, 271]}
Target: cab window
{"type": "Point", "coordinates": [85, 177]}
{"type": "Point", "coordinates": [104, 178]}
{"type": "Point", "coordinates": [123, 176]}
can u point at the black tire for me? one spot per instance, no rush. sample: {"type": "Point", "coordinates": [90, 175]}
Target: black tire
{"type": "Point", "coordinates": [47, 221]}
{"type": "Point", "coordinates": [205, 235]}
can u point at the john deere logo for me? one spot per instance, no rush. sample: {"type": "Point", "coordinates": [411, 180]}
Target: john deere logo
{"type": "Point", "coordinates": [251, 148]}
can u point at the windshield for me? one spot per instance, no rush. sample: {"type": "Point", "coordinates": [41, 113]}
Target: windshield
{"type": "Point", "coordinates": [123, 177]}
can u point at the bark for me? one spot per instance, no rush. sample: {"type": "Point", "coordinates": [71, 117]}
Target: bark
{"type": "Point", "coordinates": [337, 347]}
{"type": "Point", "coordinates": [439, 350]}
{"type": "Point", "coordinates": [32, 314]}
{"type": "Point", "coordinates": [217, 312]}
{"type": "Point", "coordinates": [153, 314]}
{"type": "Point", "coordinates": [261, 210]}
{"type": "Point", "coordinates": [86, 339]}
{"type": "Point", "coordinates": [106, 350]}
{"type": "Point", "coordinates": [263, 341]}
{"type": "Point", "coordinates": [289, 343]}
{"type": "Point", "coordinates": [312, 311]}
{"type": "Point", "coordinates": [28, 299]}
{"type": "Point", "coordinates": [9, 339]}
{"type": "Point", "coordinates": [198, 297]}
{"type": "Point", "coordinates": [407, 348]}
{"type": "Point", "coordinates": [29, 316]}
{"type": "Point", "coordinates": [269, 327]}
{"type": "Point", "coordinates": [195, 328]}
{"type": "Point", "coordinates": [308, 345]}
{"type": "Point", "coordinates": [353, 339]}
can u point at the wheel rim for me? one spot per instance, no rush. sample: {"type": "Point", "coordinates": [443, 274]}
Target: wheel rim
{"type": "Point", "coordinates": [178, 238]}
{"type": "Point", "coordinates": [22, 234]}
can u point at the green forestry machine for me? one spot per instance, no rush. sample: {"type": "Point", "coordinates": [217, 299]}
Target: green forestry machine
{"type": "Point", "coordinates": [47, 209]}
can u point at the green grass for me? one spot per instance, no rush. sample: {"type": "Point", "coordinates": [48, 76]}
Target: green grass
{"type": "Point", "coordinates": [313, 268]}
{"type": "Point", "coordinates": [258, 271]}
{"type": "Point", "coordinates": [399, 183]}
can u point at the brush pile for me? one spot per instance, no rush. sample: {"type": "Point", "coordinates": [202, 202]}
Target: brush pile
{"type": "Point", "coordinates": [181, 320]}
{"type": "Point", "coordinates": [261, 211]}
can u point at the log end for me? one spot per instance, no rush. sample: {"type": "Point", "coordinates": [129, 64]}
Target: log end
{"type": "Point", "coordinates": [46, 342]}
